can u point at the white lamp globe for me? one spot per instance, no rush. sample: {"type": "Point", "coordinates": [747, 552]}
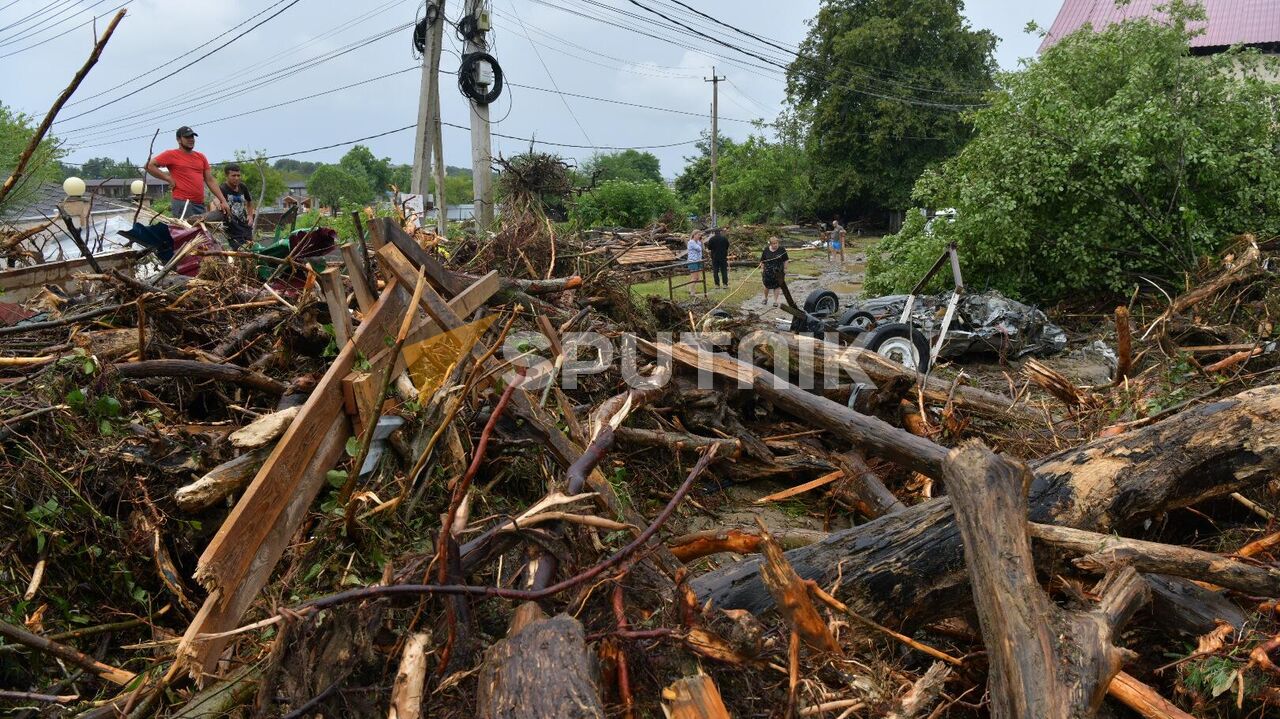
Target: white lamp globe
{"type": "Point", "coordinates": [137, 187]}
{"type": "Point", "coordinates": [73, 186]}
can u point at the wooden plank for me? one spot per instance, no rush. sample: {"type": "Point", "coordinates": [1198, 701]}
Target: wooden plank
{"type": "Point", "coordinates": [336, 298]}
{"type": "Point", "coordinates": [242, 555]}
{"type": "Point", "coordinates": [694, 697]}
{"type": "Point", "coordinates": [390, 234]}
{"type": "Point", "coordinates": [365, 298]}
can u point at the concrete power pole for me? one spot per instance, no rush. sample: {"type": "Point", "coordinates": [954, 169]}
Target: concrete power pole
{"type": "Point", "coordinates": [428, 132]}
{"type": "Point", "coordinates": [481, 147]}
{"type": "Point", "coordinates": [715, 135]}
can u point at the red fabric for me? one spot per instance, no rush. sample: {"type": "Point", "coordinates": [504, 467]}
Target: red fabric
{"type": "Point", "coordinates": [187, 169]}
{"type": "Point", "coordinates": [189, 266]}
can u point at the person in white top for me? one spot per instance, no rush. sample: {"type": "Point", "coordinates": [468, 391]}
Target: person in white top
{"type": "Point", "coordinates": [694, 247]}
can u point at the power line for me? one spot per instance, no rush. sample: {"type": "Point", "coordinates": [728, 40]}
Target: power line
{"type": "Point", "coordinates": [72, 29]}
{"type": "Point", "coordinates": [38, 27]}
{"type": "Point", "coordinates": [552, 78]}
{"type": "Point", "coordinates": [193, 62]}
{"type": "Point", "coordinates": [168, 110]}
{"type": "Point", "coordinates": [28, 16]}
{"type": "Point", "coordinates": [239, 85]}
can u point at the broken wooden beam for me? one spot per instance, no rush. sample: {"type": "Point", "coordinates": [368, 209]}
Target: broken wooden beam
{"type": "Point", "coordinates": [335, 297]}
{"type": "Point", "coordinates": [1044, 661]}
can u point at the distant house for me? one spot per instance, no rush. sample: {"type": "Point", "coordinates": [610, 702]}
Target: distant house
{"type": "Point", "coordinates": [297, 195]}
{"type": "Point", "coordinates": [1253, 23]}
{"type": "Point", "coordinates": [120, 188]}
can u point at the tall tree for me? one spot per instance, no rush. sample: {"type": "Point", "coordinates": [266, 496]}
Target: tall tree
{"type": "Point", "coordinates": [1117, 158]}
{"type": "Point", "coordinates": [630, 165]}
{"type": "Point", "coordinates": [102, 168]}
{"type": "Point", "coordinates": [360, 161]}
{"type": "Point", "coordinates": [15, 132]}
{"type": "Point", "coordinates": [693, 184]}
{"type": "Point", "coordinates": [333, 185]}
{"type": "Point", "coordinates": [253, 173]}
{"type": "Point", "coordinates": [884, 84]}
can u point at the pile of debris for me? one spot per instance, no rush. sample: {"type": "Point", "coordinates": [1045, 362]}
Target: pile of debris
{"type": "Point", "coordinates": [358, 492]}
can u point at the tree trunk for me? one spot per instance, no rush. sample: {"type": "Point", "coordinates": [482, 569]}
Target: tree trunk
{"type": "Point", "coordinates": [542, 669]}
{"type": "Point", "coordinates": [909, 566]}
{"type": "Point", "coordinates": [1045, 662]}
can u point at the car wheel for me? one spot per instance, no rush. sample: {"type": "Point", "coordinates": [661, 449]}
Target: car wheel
{"type": "Point", "coordinates": [823, 303]}
{"type": "Point", "coordinates": [854, 317]}
{"type": "Point", "coordinates": [901, 343]}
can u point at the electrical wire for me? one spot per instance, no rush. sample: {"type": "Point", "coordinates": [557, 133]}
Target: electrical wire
{"type": "Point", "coordinates": [158, 80]}
{"type": "Point", "coordinates": [43, 25]}
{"type": "Point", "coordinates": [28, 16]}
{"type": "Point", "coordinates": [564, 101]}
{"type": "Point", "coordinates": [204, 100]}
{"type": "Point", "coordinates": [51, 38]}
{"type": "Point", "coordinates": [237, 78]}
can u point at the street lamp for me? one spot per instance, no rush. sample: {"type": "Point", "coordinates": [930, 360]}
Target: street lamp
{"type": "Point", "coordinates": [137, 188]}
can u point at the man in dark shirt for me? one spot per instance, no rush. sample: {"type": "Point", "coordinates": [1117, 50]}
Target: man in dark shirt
{"type": "Point", "coordinates": [718, 246]}
{"type": "Point", "coordinates": [240, 201]}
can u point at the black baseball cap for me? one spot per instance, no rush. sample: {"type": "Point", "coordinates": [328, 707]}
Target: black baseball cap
{"type": "Point", "coordinates": [185, 131]}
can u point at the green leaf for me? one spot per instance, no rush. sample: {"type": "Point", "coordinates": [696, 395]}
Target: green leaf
{"type": "Point", "coordinates": [107, 406]}
{"type": "Point", "coordinates": [353, 446]}
{"type": "Point", "coordinates": [75, 399]}
{"type": "Point", "coordinates": [336, 478]}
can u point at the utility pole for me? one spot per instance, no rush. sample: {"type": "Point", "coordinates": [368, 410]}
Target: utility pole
{"type": "Point", "coordinates": [481, 147]}
{"type": "Point", "coordinates": [715, 134]}
{"type": "Point", "coordinates": [427, 137]}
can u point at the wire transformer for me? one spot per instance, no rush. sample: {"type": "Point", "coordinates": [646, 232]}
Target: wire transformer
{"type": "Point", "coordinates": [430, 17]}
{"type": "Point", "coordinates": [468, 74]}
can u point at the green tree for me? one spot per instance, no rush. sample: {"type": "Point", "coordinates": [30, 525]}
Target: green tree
{"type": "Point", "coordinates": [16, 130]}
{"type": "Point", "coordinates": [693, 184]}
{"type": "Point", "coordinates": [620, 203]}
{"type": "Point", "coordinates": [253, 172]}
{"type": "Point", "coordinates": [1116, 155]}
{"type": "Point", "coordinates": [301, 168]}
{"type": "Point", "coordinates": [882, 83]}
{"type": "Point", "coordinates": [102, 168]}
{"type": "Point", "coordinates": [630, 165]}
{"type": "Point", "coordinates": [360, 161]}
{"type": "Point", "coordinates": [333, 185]}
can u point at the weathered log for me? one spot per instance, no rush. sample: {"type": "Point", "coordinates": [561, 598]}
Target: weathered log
{"type": "Point", "coordinates": [264, 429]}
{"type": "Point", "coordinates": [882, 370]}
{"type": "Point", "coordinates": [200, 370]}
{"type": "Point", "coordinates": [679, 441]}
{"type": "Point", "coordinates": [1044, 662]}
{"type": "Point", "coordinates": [263, 322]}
{"type": "Point", "coordinates": [907, 565]}
{"type": "Point", "coordinates": [1103, 550]}
{"type": "Point", "coordinates": [542, 669]}
{"type": "Point", "coordinates": [1143, 699]}
{"type": "Point", "coordinates": [866, 490]}
{"type": "Point", "coordinates": [221, 481]}
{"type": "Point", "coordinates": [1189, 608]}
{"type": "Point", "coordinates": [67, 654]}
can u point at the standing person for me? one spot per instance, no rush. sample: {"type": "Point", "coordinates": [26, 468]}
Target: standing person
{"type": "Point", "coordinates": [837, 239]}
{"type": "Point", "coordinates": [718, 245]}
{"type": "Point", "coordinates": [773, 270]}
{"type": "Point", "coordinates": [694, 246]}
{"type": "Point", "coordinates": [240, 199]}
{"type": "Point", "coordinates": [189, 173]}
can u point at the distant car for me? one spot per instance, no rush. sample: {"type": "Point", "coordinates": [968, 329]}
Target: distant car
{"type": "Point", "coordinates": [947, 215]}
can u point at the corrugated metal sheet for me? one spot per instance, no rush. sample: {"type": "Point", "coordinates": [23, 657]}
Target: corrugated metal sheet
{"type": "Point", "coordinates": [1230, 21]}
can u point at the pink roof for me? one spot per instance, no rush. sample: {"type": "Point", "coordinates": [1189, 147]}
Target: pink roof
{"type": "Point", "coordinates": [1230, 21]}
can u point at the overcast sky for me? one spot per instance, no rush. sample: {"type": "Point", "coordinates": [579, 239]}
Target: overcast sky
{"type": "Point", "coordinates": [539, 43]}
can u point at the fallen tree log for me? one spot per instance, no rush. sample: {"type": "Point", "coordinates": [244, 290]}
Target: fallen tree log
{"type": "Point", "coordinates": [908, 565]}
{"type": "Point", "coordinates": [195, 369]}
{"type": "Point", "coordinates": [1103, 550]}
{"type": "Point", "coordinates": [265, 429]}
{"type": "Point", "coordinates": [221, 481]}
{"type": "Point", "coordinates": [541, 669]}
{"type": "Point", "coordinates": [1044, 661]}
{"type": "Point", "coordinates": [880, 369]}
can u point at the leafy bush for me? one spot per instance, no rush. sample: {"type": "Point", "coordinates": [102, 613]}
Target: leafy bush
{"type": "Point", "coordinates": [1116, 155]}
{"type": "Point", "coordinates": [621, 203]}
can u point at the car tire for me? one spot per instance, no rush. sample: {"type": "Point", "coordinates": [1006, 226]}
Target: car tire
{"type": "Point", "coordinates": [901, 343]}
{"type": "Point", "coordinates": [854, 317]}
{"type": "Point", "coordinates": [823, 303]}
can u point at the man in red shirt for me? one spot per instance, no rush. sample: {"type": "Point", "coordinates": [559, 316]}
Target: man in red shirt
{"type": "Point", "coordinates": [189, 173]}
